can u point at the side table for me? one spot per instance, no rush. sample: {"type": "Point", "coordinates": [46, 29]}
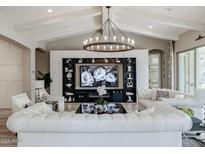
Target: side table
{"type": "Point", "coordinates": [53, 104]}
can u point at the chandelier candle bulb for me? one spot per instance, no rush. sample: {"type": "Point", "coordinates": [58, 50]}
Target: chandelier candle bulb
{"type": "Point", "coordinates": [90, 39]}
{"type": "Point", "coordinates": [105, 38]}
{"type": "Point", "coordinates": [128, 40]}
{"type": "Point", "coordinates": [123, 39]}
{"type": "Point", "coordinates": [133, 42]}
{"type": "Point", "coordinates": [97, 39]}
{"type": "Point", "coordinates": [114, 38]}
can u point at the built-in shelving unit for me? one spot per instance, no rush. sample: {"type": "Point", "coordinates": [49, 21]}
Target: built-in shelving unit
{"type": "Point", "coordinates": [124, 93]}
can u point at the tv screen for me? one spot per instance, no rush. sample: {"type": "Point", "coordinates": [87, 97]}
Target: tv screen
{"type": "Point", "coordinates": [97, 75]}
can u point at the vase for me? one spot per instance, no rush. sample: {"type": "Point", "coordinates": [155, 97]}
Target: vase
{"type": "Point", "coordinates": [99, 109]}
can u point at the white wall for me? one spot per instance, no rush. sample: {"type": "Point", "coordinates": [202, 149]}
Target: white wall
{"type": "Point", "coordinates": [187, 40]}
{"type": "Point", "coordinates": [7, 31]}
{"type": "Point", "coordinates": [14, 72]}
{"type": "Point", "coordinates": [56, 65]}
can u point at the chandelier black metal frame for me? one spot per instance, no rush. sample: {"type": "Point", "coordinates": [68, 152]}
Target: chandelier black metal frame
{"type": "Point", "coordinates": [109, 38]}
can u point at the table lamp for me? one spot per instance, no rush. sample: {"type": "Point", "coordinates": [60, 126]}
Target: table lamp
{"type": "Point", "coordinates": [39, 84]}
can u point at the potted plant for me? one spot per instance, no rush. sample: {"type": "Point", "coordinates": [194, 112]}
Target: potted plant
{"type": "Point", "coordinates": [188, 111]}
{"type": "Point", "coordinates": [101, 91]}
{"type": "Point", "coordinates": [46, 77]}
{"type": "Point", "coordinates": [101, 102]}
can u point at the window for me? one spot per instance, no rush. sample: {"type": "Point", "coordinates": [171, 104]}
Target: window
{"type": "Point", "coordinates": [191, 70]}
{"type": "Point", "coordinates": [154, 70]}
{"type": "Point", "coordinates": [186, 72]}
{"type": "Point", "coordinates": [200, 67]}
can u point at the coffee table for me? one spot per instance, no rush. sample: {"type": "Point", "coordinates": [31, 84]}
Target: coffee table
{"type": "Point", "coordinates": [119, 107]}
{"type": "Point", "coordinates": [196, 131]}
{"type": "Point", "coordinates": [129, 107]}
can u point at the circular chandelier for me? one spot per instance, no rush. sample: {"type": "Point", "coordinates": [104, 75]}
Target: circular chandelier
{"type": "Point", "coordinates": [109, 38]}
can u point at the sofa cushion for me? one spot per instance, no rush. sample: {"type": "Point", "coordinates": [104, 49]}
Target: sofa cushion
{"type": "Point", "coordinates": [180, 102]}
{"type": "Point", "coordinates": [179, 96]}
{"type": "Point", "coordinates": [148, 103]}
{"type": "Point", "coordinates": [147, 110]}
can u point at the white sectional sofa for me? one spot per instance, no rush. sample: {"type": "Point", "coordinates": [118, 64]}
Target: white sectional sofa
{"type": "Point", "coordinates": [160, 125]}
{"type": "Point", "coordinates": [148, 97]}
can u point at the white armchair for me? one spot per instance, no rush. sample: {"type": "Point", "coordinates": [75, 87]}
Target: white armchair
{"type": "Point", "coordinates": [200, 93]}
{"type": "Point", "coordinates": [20, 101]}
{"type": "Point", "coordinates": [177, 99]}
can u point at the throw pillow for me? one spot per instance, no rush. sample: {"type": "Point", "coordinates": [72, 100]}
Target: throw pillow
{"type": "Point", "coordinates": [176, 102]}
{"type": "Point", "coordinates": [161, 93]}
{"type": "Point", "coordinates": [179, 96]}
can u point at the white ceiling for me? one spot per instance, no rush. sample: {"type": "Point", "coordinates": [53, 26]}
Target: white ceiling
{"type": "Point", "coordinates": [167, 22]}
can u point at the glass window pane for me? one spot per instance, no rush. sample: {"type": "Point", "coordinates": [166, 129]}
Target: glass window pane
{"type": "Point", "coordinates": [154, 70]}
{"type": "Point", "coordinates": [186, 72]}
{"type": "Point", "coordinates": [200, 66]}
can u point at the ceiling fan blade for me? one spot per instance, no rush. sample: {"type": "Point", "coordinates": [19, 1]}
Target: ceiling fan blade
{"type": "Point", "coordinates": [199, 38]}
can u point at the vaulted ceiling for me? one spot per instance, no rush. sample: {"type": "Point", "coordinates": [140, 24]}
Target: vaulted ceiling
{"type": "Point", "coordinates": [159, 22]}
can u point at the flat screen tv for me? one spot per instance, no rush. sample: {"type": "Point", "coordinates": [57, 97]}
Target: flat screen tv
{"type": "Point", "coordinates": [96, 75]}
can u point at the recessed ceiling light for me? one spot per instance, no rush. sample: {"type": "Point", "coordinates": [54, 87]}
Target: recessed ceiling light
{"type": "Point", "coordinates": [150, 26]}
{"type": "Point", "coordinates": [50, 10]}
{"type": "Point", "coordinates": [169, 9]}
{"type": "Point", "coordinates": [64, 26]}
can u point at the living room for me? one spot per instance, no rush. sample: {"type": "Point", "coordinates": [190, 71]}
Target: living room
{"type": "Point", "coordinates": [102, 76]}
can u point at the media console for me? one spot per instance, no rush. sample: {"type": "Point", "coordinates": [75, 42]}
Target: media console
{"type": "Point", "coordinates": [118, 74]}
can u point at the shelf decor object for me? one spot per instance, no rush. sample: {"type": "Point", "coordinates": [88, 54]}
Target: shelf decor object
{"type": "Point", "coordinates": [109, 38]}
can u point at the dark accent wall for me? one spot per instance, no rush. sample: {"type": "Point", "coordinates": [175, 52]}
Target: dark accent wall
{"type": "Point", "coordinates": [127, 93]}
